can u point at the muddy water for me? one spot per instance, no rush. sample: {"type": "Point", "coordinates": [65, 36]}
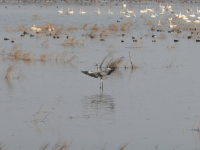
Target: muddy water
{"type": "Point", "coordinates": [155, 106]}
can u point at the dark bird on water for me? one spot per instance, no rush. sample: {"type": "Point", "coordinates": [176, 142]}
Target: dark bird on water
{"type": "Point", "coordinates": [100, 74]}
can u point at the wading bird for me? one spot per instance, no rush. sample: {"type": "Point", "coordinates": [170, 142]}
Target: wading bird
{"type": "Point", "coordinates": [100, 74]}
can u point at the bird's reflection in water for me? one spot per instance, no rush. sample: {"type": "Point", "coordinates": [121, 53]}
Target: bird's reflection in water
{"type": "Point", "coordinates": [100, 106]}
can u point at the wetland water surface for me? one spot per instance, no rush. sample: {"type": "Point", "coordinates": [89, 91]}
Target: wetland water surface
{"type": "Point", "coordinates": [155, 106]}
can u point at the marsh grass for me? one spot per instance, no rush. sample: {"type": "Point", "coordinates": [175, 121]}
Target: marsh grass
{"type": "Point", "coordinates": [123, 146]}
{"type": "Point", "coordinates": [104, 32]}
{"type": "Point", "coordinates": [61, 29]}
{"type": "Point", "coordinates": [29, 56]}
{"type": "Point", "coordinates": [162, 36]}
{"type": "Point", "coordinates": [8, 71]}
{"type": "Point", "coordinates": [126, 26]}
{"type": "Point", "coordinates": [20, 74]}
{"type": "Point", "coordinates": [23, 28]}
{"type": "Point", "coordinates": [73, 28]}
{"type": "Point", "coordinates": [44, 147]}
{"type": "Point", "coordinates": [113, 27]}
{"type": "Point", "coordinates": [85, 26]}
{"type": "Point", "coordinates": [70, 42]}
{"type": "Point", "coordinates": [36, 17]}
{"type": "Point", "coordinates": [45, 44]}
{"type": "Point", "coordinates": [94, 27]}
{"type": "Point", "coordinates": [11, 29]}
{"type": "Point", "coordinates": [43, 57]}
{"type": "Point", "coordinates": [61, 145]}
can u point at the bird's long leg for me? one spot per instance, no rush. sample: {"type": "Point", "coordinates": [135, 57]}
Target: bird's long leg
{"type": "Point", "coordinates": [100, 83]}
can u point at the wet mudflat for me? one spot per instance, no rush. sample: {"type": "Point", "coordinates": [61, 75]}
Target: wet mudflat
{"type": "Point", "coordinates": [45, 97]}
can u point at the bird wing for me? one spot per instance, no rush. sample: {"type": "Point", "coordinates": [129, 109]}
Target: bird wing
{"type": "Point", "coordinates": [90, 73]}
{"type": "Point", "coordinates": [107, 71]}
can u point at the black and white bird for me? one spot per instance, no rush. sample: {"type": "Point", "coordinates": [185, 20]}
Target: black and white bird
{"type": "Point", "coordinates": [100, 74]}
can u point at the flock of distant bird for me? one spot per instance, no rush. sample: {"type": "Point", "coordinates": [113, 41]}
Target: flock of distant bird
{"type": "Point", "coordinates": [168, 8]}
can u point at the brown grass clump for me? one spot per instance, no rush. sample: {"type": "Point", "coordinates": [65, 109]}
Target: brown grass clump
{"type": "Point", "coordinates": [45, 44]}
{"type": "Point", "coordinates": [69, 42]}
{"type": "Point", "coordinates": [83, 42]}
{"type": "Point", "coordinates": [43, 57]}
{"type": "Point", "coordinates": [113, 27]}
{"type": "Point", "coordinates": [123, 146]}
{"type": "Point", "coordinates": [61, 29]}
{"type": "Point", "coordinates": [94, 27]}
{"type": "Point", "coordinates": [44, 146]}
{"type": "Point", "coordinates": [104, 32]}
{"type": "Point", "coordinates": [149, 22]}
{"type": "Point", "coordinates": [162, 36]}
{"type": "Point", "coordinates": [72, 28]}
{"type": "Point", "coordinates": [36, 17]}
{"type": "Point", "coordinates": [61, 145]}
{"type": "Point", "coordinates": [85, 26]}
{"type": "Point", "coordinates": [28, 56]}
{"type": "Point", "coordinates": [8, 71]}
{"type": "Point", "coordinates": [17, 54]}
{"type": "Point", "coordinates": [23, 28]}
{"type": "Point", "coordinates": [126, 26]}
{"type": "Point", "coordinates": [11, 29]}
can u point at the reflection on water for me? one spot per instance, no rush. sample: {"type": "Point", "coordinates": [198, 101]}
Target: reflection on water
{"type": "Point", "coordinates": [100, 106]}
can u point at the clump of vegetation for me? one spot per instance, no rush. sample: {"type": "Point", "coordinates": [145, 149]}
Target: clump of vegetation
{"type": "Point", "coordinates": [162, 36]}
{"type": "Point", "coordinates": [126, 26]}
{"type": "Point", "coordinates": [70, 42]}
{"type": "Point", "coordinates": [8, 71]}
{"type": "Point", "coordinates": [29, 56]}
{"type": "Point", "coordinates": [85, 26]}
{"type": "Point", "coordinates": [36, 17]}
{"type": "Point", "coordinates": [11, 29]}
{"type": "Point", "coordinates": [23, 28]}
{"type": "Point", "coordinates": [72, 28]}
{"type": "Point", "coordinates": [104, 32]}
{"type": "Point", "coordinates": [94, 27]}
{"type": "Point", "coordinates": [113, 27]}
{"type": "Point", "coordinates": [43, 57]}
{"type": "Point", "coordinates": [45, 44]}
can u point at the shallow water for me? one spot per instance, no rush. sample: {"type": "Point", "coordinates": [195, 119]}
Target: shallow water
{"type": "Point", "coordinates": [152, 107]}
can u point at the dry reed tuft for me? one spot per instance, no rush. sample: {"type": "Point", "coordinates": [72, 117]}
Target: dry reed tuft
{"type": "Point", "coordinates": [61, 29]}
{"type": "Point", "coordinates": [162, 36]}
{"type": "Point", "coordinates": [113, 27]}
{"type": "Point", "coordinates": [2, 146]}
{"type": "Point", "coordinates": [104, 32]}
{"type": "Point", "coordinates": [149, 22]}
{"type": "Point", "coordinates": [23, 28]}
{"type": "Point", "coordinates": [20, 74]}
{"type": "Point", "coordinates": [8, 71]}
{"type": "Point", "coordinates": [83, 42]}
{"type": "Point", "coordinates": [85, 26]}
{"type": "Point", "coordinates": [126, 26]}
{"type": "Point", "coordinates": [43, 57]}
{"type": "Point", "coordinates": [70, 42]}
{"type": "Point", "coordinates": [94, 27]}
{"type": "Point", "coordinates": [17, 54]}
{"type": "Point", "coordinates": [44, 146]}
{"type": "Point", "coordinates": [28, 56]}
{"type": "Point", "coordinates": [72, 28]}
{"type": "Point", "coordinates": [73, 58]}
{"type": "Point", "coordinates": [45, 44]}
{"type": "Point", "coordinates": [36, 17]}
{"type": "Point", "coordinates": [61, 145]}
{"type": "Point", "coordinates": [11, 29]}
{"type": "Point", "coordinates": [123, 147]}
